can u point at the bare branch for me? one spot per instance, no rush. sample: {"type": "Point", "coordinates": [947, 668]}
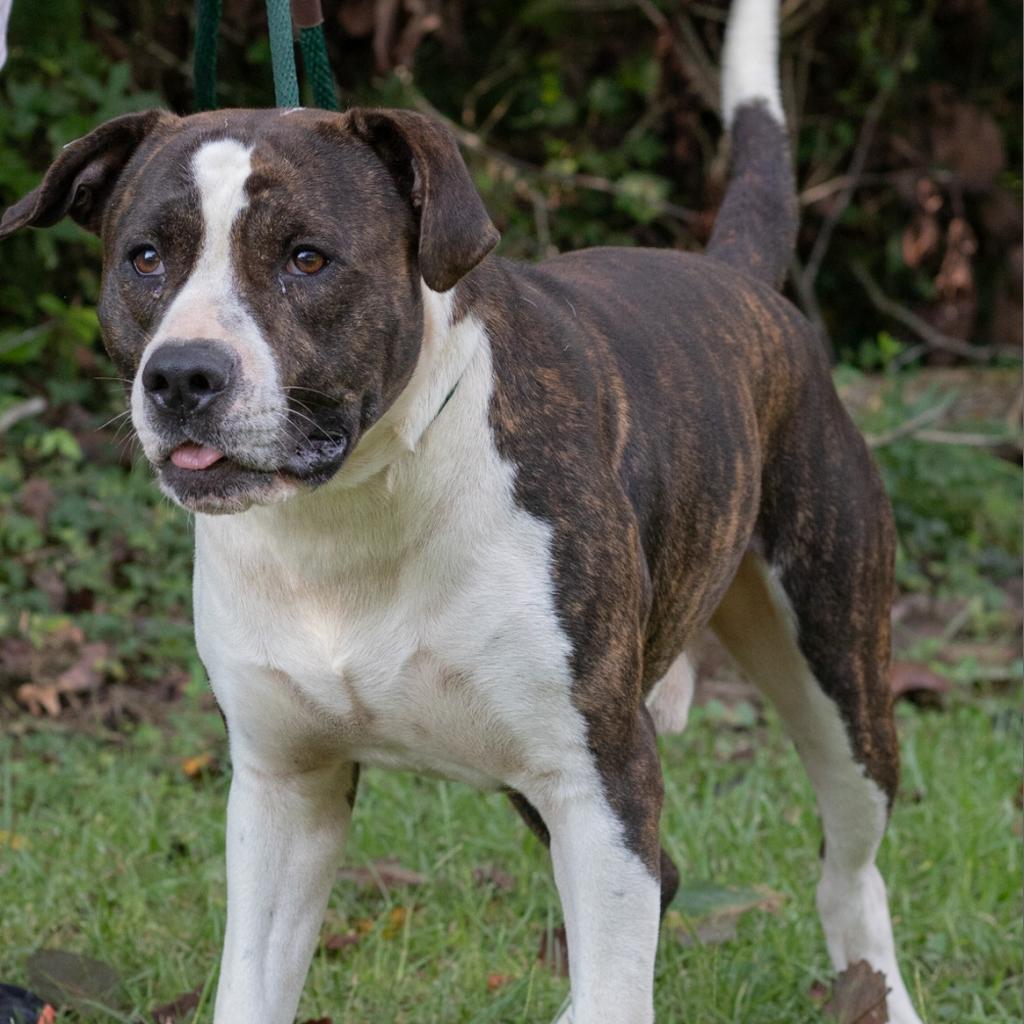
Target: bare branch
{"type": "Point", "coordinates": [21, 411]}
{"type": "Point", "coordinates": [853, 175]}
{"type": "Point", "coordinates": [972, 440]}
{"type": "Point", "coordinates": [857, 163]}
{"type": "Point", "coordinates": [690, 52]}
{"type": "Point", "coordinates": [521, 168]}
{"type": "Point", "coordinates": [932, 337]}
{"type": "Point", "coordinates": [911, 426]}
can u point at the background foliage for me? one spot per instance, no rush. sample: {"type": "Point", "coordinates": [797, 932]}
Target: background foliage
{"type": "Point", "coordinates": [584, 122]}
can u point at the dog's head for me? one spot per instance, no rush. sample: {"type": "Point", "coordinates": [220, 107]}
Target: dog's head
{"type": "Point", "coordinates": [263, 280]}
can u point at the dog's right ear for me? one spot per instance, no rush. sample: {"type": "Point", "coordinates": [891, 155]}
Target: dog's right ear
{"type": "Point", "coordinates": [81, 179]}
{"type": "Point", "coordinates": [455, 231]}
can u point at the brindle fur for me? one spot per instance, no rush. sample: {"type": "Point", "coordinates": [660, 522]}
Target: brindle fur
{"type": "Point", "coordinates": [664, 412]}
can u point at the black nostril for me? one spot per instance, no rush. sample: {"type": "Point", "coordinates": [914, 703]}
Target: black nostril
{"type": "Point", "coordinates": [186, 376]}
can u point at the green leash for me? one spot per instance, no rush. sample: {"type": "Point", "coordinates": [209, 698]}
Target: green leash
{"type": "Point", "coordinates": [207, 22]}
{"type": "Point", "coordinates": [307, 17]}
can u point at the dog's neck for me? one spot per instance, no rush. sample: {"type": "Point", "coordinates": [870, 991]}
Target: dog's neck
{"type": "Point", "coordinates": [446, 351]}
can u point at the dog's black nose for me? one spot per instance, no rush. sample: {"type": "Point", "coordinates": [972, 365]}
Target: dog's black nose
{"type": "Point", "coordinates": [186, 376]}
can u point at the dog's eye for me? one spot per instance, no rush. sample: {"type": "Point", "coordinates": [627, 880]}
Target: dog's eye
{"type": "Point", "coordinates": [306, 261]}
{"type": "Point", "coordinates": [147, 262]}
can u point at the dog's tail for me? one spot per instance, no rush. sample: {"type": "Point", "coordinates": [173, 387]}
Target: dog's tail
{"type": "Point", "coordinates": [755, 230]}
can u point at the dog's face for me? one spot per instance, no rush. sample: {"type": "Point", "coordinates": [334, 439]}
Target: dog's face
{"type": "Point", "coordinates": [262, 281]}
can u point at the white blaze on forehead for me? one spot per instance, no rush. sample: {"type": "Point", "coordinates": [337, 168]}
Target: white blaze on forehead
{"type": "Point", "coordinates": [220, 170]}
{"type": "Point", "coordinates": [209, 306]}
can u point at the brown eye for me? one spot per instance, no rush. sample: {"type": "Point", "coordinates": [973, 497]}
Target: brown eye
{"type": "Point", "coordinates": [147, 262]}
{"type": "Point", "coordinates": [306, 261]}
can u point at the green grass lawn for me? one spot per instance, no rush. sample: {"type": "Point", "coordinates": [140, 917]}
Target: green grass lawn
{"type": "Point", "coordinates": [110, 850]}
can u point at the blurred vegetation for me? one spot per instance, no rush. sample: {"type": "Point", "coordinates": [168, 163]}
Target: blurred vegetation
{"type": "Point", "coordinates": [584, 122]}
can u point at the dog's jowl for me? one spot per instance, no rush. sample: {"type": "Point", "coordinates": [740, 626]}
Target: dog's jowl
{"type": "Point", "coordinates": [464, 516]}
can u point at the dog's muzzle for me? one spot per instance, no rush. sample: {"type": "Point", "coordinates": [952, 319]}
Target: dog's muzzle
{"type": "Point", "coordinates": [218, 448]}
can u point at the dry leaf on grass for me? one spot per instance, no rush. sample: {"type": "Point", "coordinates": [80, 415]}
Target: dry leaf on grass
{"type": "Point", "coordinates": [15, 842]}
{"type": "Point", "coordinates": [179, 1010]}
{"type": "Point", "coordinates": [488, 874]}
{"type": "Point", "coordinates": [396, 922]}
{"type": "Point", "coordinates": [336, 942]}
{"type": "Point", "coordinates": [83, 675]}
{"type": "Point", "coordinates": [383, 875]}
{"type": "Point", "coordinates": [918, 683]}
{"type": "Point", "coordinates": [497, 981]}
{"type": "Point", "coordinates": [200, 765]}
{"type": "Point", "coordinates": [709, 914]}
{"type": "Point", "coordinates": [858, 996]}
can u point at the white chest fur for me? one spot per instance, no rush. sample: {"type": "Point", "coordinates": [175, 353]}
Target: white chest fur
{"type": "Point", "coordinates": [405, 619]}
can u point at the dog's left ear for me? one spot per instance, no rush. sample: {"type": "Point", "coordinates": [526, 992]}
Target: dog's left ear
{"type": "Point", "coordinates": [455, 231]}
{"type": "Point", "coordinates": [83, 176]}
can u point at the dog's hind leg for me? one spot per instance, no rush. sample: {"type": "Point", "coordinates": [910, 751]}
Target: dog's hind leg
{"type": "Point", "coordinates": [671, 697]}
{"type": "Point", "coordinates": [845, 738]}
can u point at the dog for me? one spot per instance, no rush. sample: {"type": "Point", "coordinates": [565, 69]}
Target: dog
{"type": "Point", "coordinates": [465, 516]}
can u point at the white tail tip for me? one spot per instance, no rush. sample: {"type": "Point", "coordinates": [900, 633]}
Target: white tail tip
{"type": "Point", "coordinates": [750, 58]}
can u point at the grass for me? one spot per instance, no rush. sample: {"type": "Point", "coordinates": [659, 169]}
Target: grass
{"type": "Point", "coordinates": [118, 856]}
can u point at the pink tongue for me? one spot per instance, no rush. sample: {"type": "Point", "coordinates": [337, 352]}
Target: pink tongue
{"type": "Point", "coordinates": [195, 456]}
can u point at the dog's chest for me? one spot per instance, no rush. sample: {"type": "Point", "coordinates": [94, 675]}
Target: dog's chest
{"type": "Point", "coordinates": [413, 626]}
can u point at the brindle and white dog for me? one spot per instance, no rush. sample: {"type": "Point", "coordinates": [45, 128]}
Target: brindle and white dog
{"type": "Point", "coordinates": [464, 516]}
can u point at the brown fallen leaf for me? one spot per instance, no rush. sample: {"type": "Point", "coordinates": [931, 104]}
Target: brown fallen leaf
{"type": "Point", "coordinates": [497, 981]}
{"type": "Point", "coordinates": [918, 683]}
{"type": "Point", "coordinates": [920, 239]}
{"type": "Point", "coordinates": [488, 874]}
{"type": "Point", "coordinates": [396, 922]}
{"type": "Point", "coordinates": [818, 992]}
{"type": "Point", "coordinates": [39, 697]}
{"type": "Point", "coordinates": [858, 996]}
{"type": "Point", "coordinates": [87, 671]}
{"type": "Point", "coordinates": [554, 951]}
{"type": "Point", "coordinates": [200, 765]}
{"type": "Point", "coordinates": [338, 941]}
{"type": "Point", "coordinates": [383, 875]}
{"type": "Point", "coordinates": [707, 913]}
{"type": "Point", "coordinates": [178, 1010]}
{"type": "Point", "coordinates": [11, 839]}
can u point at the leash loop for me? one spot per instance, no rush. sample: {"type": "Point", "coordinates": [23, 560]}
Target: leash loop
{"type": "Point", "coordinates": [282, 53]}
{"type": "Point", "coordinates": [307, 16]}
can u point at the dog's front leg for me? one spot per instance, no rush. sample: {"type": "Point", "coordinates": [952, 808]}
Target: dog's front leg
{"type": "Point", "coordinates": [285, 834]}
{"type": "Point", "coordinates": [605, 851]}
